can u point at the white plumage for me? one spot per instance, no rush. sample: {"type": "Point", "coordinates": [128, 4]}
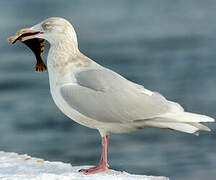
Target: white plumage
{"type": "Point", "coordinates": [86, 91]}
{"type": "Point", "coordinates": [99, 98]}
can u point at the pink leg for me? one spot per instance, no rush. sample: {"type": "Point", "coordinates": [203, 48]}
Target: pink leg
{"type": "Point", "coordinates": [103, 164]}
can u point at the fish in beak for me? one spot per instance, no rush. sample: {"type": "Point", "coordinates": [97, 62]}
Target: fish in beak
{"type": "Point", "coordinates": [27, 36]}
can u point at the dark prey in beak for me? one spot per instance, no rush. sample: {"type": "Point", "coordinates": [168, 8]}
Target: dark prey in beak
{"type": "Point", "coordinates": [35, 44]}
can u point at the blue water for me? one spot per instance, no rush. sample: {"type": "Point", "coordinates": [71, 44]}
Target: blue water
{"type": "Point", "coordinates": [167, 46]}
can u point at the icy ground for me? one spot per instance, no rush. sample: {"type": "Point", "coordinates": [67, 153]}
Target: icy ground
{"type": "Point", "coordinates": [23, 167]}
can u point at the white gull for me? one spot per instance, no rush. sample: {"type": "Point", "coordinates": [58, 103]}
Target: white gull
{"type": "Point", "coordinates": [99, 98]}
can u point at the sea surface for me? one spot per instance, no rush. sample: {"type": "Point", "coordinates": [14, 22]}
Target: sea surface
{"type": "Point", "coordinates": [167, 46]}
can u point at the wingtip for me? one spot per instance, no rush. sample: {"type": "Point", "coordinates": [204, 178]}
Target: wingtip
{"type": "Point", "coordinates": [211, 119]}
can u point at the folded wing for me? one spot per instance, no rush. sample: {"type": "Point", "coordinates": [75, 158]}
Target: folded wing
{"type": "Point", "coordinates": [106, 96]}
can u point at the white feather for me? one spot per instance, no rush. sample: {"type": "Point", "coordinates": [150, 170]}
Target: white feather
{"type": "Point", "coordinates": [184, 117]}
{"type": "Point", "coordinates": [183, 127]}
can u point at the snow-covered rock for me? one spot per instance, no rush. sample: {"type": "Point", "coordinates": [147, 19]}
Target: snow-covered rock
{"type": "Point", "coordinates": [23, 167]}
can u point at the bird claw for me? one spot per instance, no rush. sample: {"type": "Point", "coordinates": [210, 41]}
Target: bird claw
{"type": "Point", "coordinates": [96, 169]}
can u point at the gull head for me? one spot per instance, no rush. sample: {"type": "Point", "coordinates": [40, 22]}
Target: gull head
{"type": "Point", "coordinates": [55, 30]}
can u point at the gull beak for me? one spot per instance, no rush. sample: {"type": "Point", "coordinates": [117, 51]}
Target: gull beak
{"type": "Point", "coordinates": [23, 35]}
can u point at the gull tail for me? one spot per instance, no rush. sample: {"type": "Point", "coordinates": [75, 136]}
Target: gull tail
{"type": "Point", "coordinates": [181, 121]}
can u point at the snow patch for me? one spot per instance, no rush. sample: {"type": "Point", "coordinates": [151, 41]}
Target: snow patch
{"type": "Point", "coordinates": [23, 167]}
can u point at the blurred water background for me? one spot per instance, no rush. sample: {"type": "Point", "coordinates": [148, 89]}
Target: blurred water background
{"type": "Point", "coordinates": [167, 46]}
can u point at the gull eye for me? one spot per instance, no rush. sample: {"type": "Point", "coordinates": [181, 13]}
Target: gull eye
{"type": "Point", "coordinates": [46, 26]}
